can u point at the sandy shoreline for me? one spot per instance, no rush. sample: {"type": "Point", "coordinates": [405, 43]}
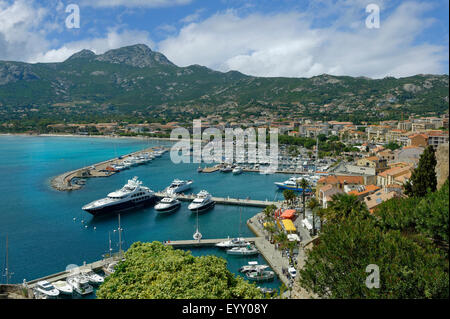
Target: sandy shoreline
{"type": "Point", "coordinates": [92, 136]}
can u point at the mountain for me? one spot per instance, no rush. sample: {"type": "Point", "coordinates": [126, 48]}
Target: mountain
{"type": "Point", "coordinates": [137, 82]}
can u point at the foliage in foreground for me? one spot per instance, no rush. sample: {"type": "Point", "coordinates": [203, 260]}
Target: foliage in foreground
{"type": "Point", "coordinates": [406, 238]}
{"type": "Point", "coordinates": [156, 271]}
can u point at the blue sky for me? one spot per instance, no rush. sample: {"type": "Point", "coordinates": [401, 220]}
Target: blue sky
{"type": "Point", "coordinates": [263, 38]}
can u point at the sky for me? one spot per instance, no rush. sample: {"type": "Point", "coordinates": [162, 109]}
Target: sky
{"type": "Point", "coordinates": [256, 37]}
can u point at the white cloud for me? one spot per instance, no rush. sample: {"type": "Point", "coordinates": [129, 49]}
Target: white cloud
{"type": "Point", "coordinates": [21, 29]}
{"type": "Point", "coordinates": [287, 45]}
{"type": "Point", "coordinates": [135, 3]}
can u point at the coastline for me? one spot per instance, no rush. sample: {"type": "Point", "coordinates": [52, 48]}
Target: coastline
{"type": "Point", "coordinates": [91, 136]}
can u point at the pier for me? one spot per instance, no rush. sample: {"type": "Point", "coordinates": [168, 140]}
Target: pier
{"type": "Point", "coordinates": [63, 182]}
{"type": "Point", "coordinates": [201, 242]}
{"type": "Point", "coordinates": [226, 200]}
{"type": "Point", "coordinates": [63, 275]}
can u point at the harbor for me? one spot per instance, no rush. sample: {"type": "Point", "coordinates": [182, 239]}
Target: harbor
{"type": "Point", "coordinates": [234, 194]}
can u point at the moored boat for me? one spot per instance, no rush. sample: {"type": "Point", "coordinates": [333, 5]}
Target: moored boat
{"type": "Point", "coordinates": [243, 251]}
{"type": "Point", "coordinates": [167, 205]}
{"type": "Point", "coordinates": [260, 275]}
{"type": "Point", "coordinates": [132, 195]}
{"type": "Point", "coordinates": [202, 202]}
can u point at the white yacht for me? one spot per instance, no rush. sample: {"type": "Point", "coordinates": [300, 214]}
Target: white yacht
{"type": "Point", "coordinates": [237, 170]}
{"type": "Point", "coordinates": [94, 279]}
{"type": "Point", "coordinates": [202, 202]}
{"type": "Point", "coordinates": [178, 186]}
{"type": "Point", "coordinates": [292, 183]}
{"type": "Point", "coordinates": [46, 289]}
{"type": "Point", "coordinates": [167, 205]}
{"type": "Point", "coordinates": [243, 251]}
{"type": "Point", "coordinates": [252, 266]}
{"type": "Point", "coordinates": [80, 284]}
{"type": "Point", "coordinates": [234, 242]}
{"type": "Point", "coordinates": [63, 287]}
{"type": "Point", "coordinates": [133, 194]}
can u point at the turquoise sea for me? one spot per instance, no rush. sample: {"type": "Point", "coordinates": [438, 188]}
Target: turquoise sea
{"type": "Point", "coordinates": [43, 236]}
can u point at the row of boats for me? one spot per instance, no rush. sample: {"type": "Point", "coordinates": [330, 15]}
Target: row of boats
{"type": "Point", "coordinates": [82, 283]}
{"type": "Point", "coordinates": [135, 160]}
{"type": "Point", "coordinates": [134, 194]}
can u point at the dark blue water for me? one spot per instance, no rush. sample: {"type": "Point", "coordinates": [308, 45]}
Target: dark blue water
{"type": "Point", "coordinates": [44, 237]}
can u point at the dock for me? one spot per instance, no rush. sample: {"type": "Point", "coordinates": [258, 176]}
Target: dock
{"type": "Point", "coordinates": [226, 200]}
{"type": "Point", "coordinates": [63, 275]}
{"type": "Point", "coordinates": [201, 243]}
{"type": "Point", "coordinates": [63, 182]}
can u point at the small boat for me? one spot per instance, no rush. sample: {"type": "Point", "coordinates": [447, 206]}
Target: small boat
{"type": "Point", "coordinates": [252, 266]}
{"type": "Point", "coordinates": [237, 170]}
{"type": "Point", "coordinates": [234, 242]}
{"type": "Point", "coordinates": [46, 289]}
{"type": "Point", "coordinates": [243, 251]}
{"type": "Point", "coordinates": [94, 279]}
{"type": "Point", "coordinates": [197, 235]}
{"type": "Point", "coordinates": [80, 284]}
{"type": "Point", "coordinates": [226, 169]}
{"type": "Point", "coordinates": [110, 268]}
{"type": "Point", "coordinates": [260, 275]}
{"type": "Point", "coordinates": [202, 202]}
{"type": "Point", "coordinates": [199, 169]}
{"type": "Point", "coordinates": [265, 290]}
{"type": "Point", "coordinates": [63, 287]}
{"type": "Point", "coordinates": [178, 186]}
{"type": "Point", "coordinates": [167, 205]}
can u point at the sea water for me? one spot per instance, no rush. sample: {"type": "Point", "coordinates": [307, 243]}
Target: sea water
{"type": "Point", "coordinates": [48, 230]}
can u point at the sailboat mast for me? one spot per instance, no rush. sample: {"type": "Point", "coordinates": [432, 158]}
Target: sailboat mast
{"type": "Point", "coordinates": [6, 269]}
{"type": "Point", "coordinates": [120, 238]}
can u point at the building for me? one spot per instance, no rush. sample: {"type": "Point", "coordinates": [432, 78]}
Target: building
{"type": "Point", "coordinates": [436, 138]}
{"type": "Point", "coordinates": [338, 181]}
{"type": "Point", "coordinates": [373, 200]}
{"type": "Point", "coordinates": [362, 191]}
{"type": "Point", "coordinates": [418, 140]}
{"type": "Point", "coordinates": [394, 175]}
{"type": "Point", "coordinates": [409, 154]}
{"type": "Point", "coordinates": [376, 162]}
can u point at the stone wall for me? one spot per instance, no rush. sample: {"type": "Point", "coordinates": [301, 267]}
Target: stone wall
{"type": "Point", "coordinates": [442, 154]}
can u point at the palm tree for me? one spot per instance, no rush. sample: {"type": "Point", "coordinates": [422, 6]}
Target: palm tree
{"type": "Point", "coordinates": [313, 205]}
{"type": "Point", "coordinates": [303, 184]}
{"type": "Point", "coordinates": [289, 195]}
{"type": "Point", "coordinates": [344, 205]}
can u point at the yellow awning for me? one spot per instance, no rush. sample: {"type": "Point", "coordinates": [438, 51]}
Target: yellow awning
{"type": "Point", "coordinates": [288, 225]}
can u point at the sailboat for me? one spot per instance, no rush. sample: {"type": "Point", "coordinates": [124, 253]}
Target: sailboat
{"type": "Point", "coordinates": [7, 274]}
{"type": "Point", "coordinates": [234, 242]}
{"type": "Point", "coordinates": [197, 234]}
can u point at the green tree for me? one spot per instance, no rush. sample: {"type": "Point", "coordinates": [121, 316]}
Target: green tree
{"type": "Point", "coordinates": [289, 195]}
{"type": "Point", "coordinates": [156, 271]}
{"type": "Point", "coordinates": [304, 184]}
{"type": "Point", "coordinates": [335, 267]}
{"type": "Point", "coordinates": [313, 205]}
{"type": "Point", "coordinates": [342, 207]}
{"type": "Point", "coordinates": [423, 179]}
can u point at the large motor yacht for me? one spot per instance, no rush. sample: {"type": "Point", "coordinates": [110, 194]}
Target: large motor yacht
{"type": "Point", "coordinates": [202, 202]}
{"type": "Point", "coordinates": [178, 186]}
{"type": "Point", "coordinates": [133, 194]}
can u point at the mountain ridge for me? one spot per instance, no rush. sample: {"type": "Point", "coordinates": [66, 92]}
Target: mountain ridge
{"type": "Point", "coordinates": [136, 80]}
